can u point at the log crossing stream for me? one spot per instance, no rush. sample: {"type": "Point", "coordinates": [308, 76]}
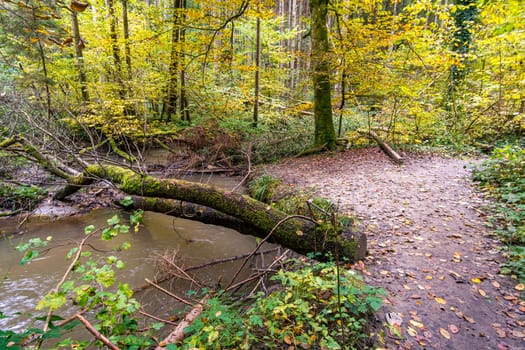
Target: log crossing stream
{"type": "Point", "coordinates": [21, 287]}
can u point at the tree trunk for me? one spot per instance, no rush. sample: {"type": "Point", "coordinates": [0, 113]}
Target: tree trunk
{"type": "Point", "coordinates": [257, 68]}
{"type": "Point", "coordinates": [115, 48]}
{"type": "Point", "coordinates": [127, 48]}
{"type": "Point", "coordinates": [300, 234]}
{"type": "Point", "coordinates": [77, 41]}
{"type": "Point", "coordinates": [324, 126]}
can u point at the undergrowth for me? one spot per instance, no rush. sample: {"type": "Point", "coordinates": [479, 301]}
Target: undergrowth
{"type": "Point", "coordinates": [502, 177]}
{"type": "Point", "coordinates": [317, 306]}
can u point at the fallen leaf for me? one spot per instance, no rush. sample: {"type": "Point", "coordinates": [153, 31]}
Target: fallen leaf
{"type": "Point", "coordinates": [417, 324]}
{"type": "Point", "coordinates": [407, 287]}
{"type": "Point", "coordinates": [394, 318]}
{"type": "Point", "coordinates": [415, 296]}
{"type": "Point", "coordinates": [476, 280]}
{"type": "Point", "coordinates": [510, 297]}
{"type": "Point", "coordinates": [411, 331]}
{"type": "Point", "coordinates": [469, 319]}
{"type": "Point", "coordinates": [482, 292]}
{"type": "Point", "coordinates": [444, 333]}
{"type": "Point", "coordinates": [440, 300]}
{"type": "Point", "coordinates": [520, 287]}
{"type": "Point", "coordinates": [428, 278]}
{"type": "Point", "coordinates": [427, 334]}
{"type": "Point", "coordinates": [287, 339]}
{"type": "Point", "coordinates": [500, 333]}
{"type": "Point", "coordinates": [299, 233]}
{"type": "Point", "coordinates": [453, 328]}
{"type": "Point", "coordinates": [495, 284]}
{"type": "Point", "coordinates": [518, 334]}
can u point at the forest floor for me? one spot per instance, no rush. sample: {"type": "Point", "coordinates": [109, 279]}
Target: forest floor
{"type": "Point", "coordinates": [428, 247]}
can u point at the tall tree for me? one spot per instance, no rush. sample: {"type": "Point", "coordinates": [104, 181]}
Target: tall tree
{"type": "Point", "coordinates": [324, 126]}
{"type": "Point", "coordinates": [176, 94]}
{"type": "Point", "coordinates": [76, 8]}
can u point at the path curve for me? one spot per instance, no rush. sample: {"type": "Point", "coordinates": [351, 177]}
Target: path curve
{"type": "Point", "coordinates": [428, 247]}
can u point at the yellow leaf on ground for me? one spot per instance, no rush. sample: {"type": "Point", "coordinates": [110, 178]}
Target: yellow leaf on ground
{"type": "Point", "coordinates": [411, 331]}
{"type": "Point", "coordinates": [520, 287]}
{"type": "Point", "coordinates": [417, 324]}
{"type": "Point", "coordinates": [444, 333]}
{"type": "Point", "coordinates": [476, 280]}
{"type": "Point", "coordinates": [440, 300]}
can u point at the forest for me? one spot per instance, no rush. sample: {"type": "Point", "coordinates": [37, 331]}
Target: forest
{"type": "Point", "coordinates": [319, 109]}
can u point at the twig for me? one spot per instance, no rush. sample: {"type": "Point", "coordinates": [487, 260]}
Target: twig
{"type": "Point", "coordinates": [182, 271]}
{"type": "Point", "coordinates": [233, 258]}
{"type": "Point", "coordinates": [97, 334]}
{"type": "Point", "coordinates": [248, 158]}
{"type": "Point", "coordinates": [157, 318]}
{"type": "Point", "coordinates": [263, 241]}
{"type": "Point", "coordinates": [260, 274]}
{"type": "Point", "coordinates": [176, 297]}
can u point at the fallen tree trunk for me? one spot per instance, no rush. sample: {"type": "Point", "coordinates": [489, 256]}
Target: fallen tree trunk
{"type": "Point", "coordinates": [300, 235]}
{"type": "Point", "coordinates": [190, 211]}
{"type": "Point", "coordinates": [384, 146]}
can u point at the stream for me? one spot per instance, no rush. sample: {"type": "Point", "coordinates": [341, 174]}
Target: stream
{"type": "Point", "coordinates": [194, 243]}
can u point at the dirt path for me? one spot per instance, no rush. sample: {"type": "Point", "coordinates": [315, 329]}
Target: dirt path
{"type": "Point", "coordinates": [428, 247]}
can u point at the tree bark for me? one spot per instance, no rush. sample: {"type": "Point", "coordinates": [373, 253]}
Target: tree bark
{"type": "Point", "coordinates": [303, 236]}
{"type": "Point", "coordinates": [191, 211]}
{"type": "Point", "coordinates": [77, 41]}
{"type": "Point", "coordinates": [324, 126]}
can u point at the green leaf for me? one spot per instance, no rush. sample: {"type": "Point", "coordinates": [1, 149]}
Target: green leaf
{"type": "Point", "coordinates": [113, 220]}
{"type": "Point", "coordinates": [67, 286]}
{"type": "Point", "coordinates": [30, 255]}
{"type": "Point", "coordinates": [89, 229]}
{"type": "Point", "coordinates": [125, 246]}
{"type": "Point", "coordinates": [126, 201]}
{"type": "Point", "coordinates": [52, 301]}
{"type": "Point", "coordinates": [71, 253]}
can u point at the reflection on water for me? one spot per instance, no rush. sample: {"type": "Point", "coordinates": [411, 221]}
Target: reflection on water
{"type": "Point", "coordinates": [22, 286]}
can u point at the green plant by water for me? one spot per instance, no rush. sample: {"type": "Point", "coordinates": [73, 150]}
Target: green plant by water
{"type": "Point", "coordinates": [89, 282]}
{"type": "Point", "coordinates": [316, 306]}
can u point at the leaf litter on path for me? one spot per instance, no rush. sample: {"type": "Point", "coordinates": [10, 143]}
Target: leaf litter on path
{"type": "Point", "coordinates": [439, 230]}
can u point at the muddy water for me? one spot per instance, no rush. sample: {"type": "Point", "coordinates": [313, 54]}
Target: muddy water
{"type": "Point", "coordinates": [22, 286]}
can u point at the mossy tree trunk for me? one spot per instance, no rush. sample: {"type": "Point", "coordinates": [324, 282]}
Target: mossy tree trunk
{"type": "Point", "coordinates": [324, 126]}
{"type": "Point", "coordinates": [297, 233]}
